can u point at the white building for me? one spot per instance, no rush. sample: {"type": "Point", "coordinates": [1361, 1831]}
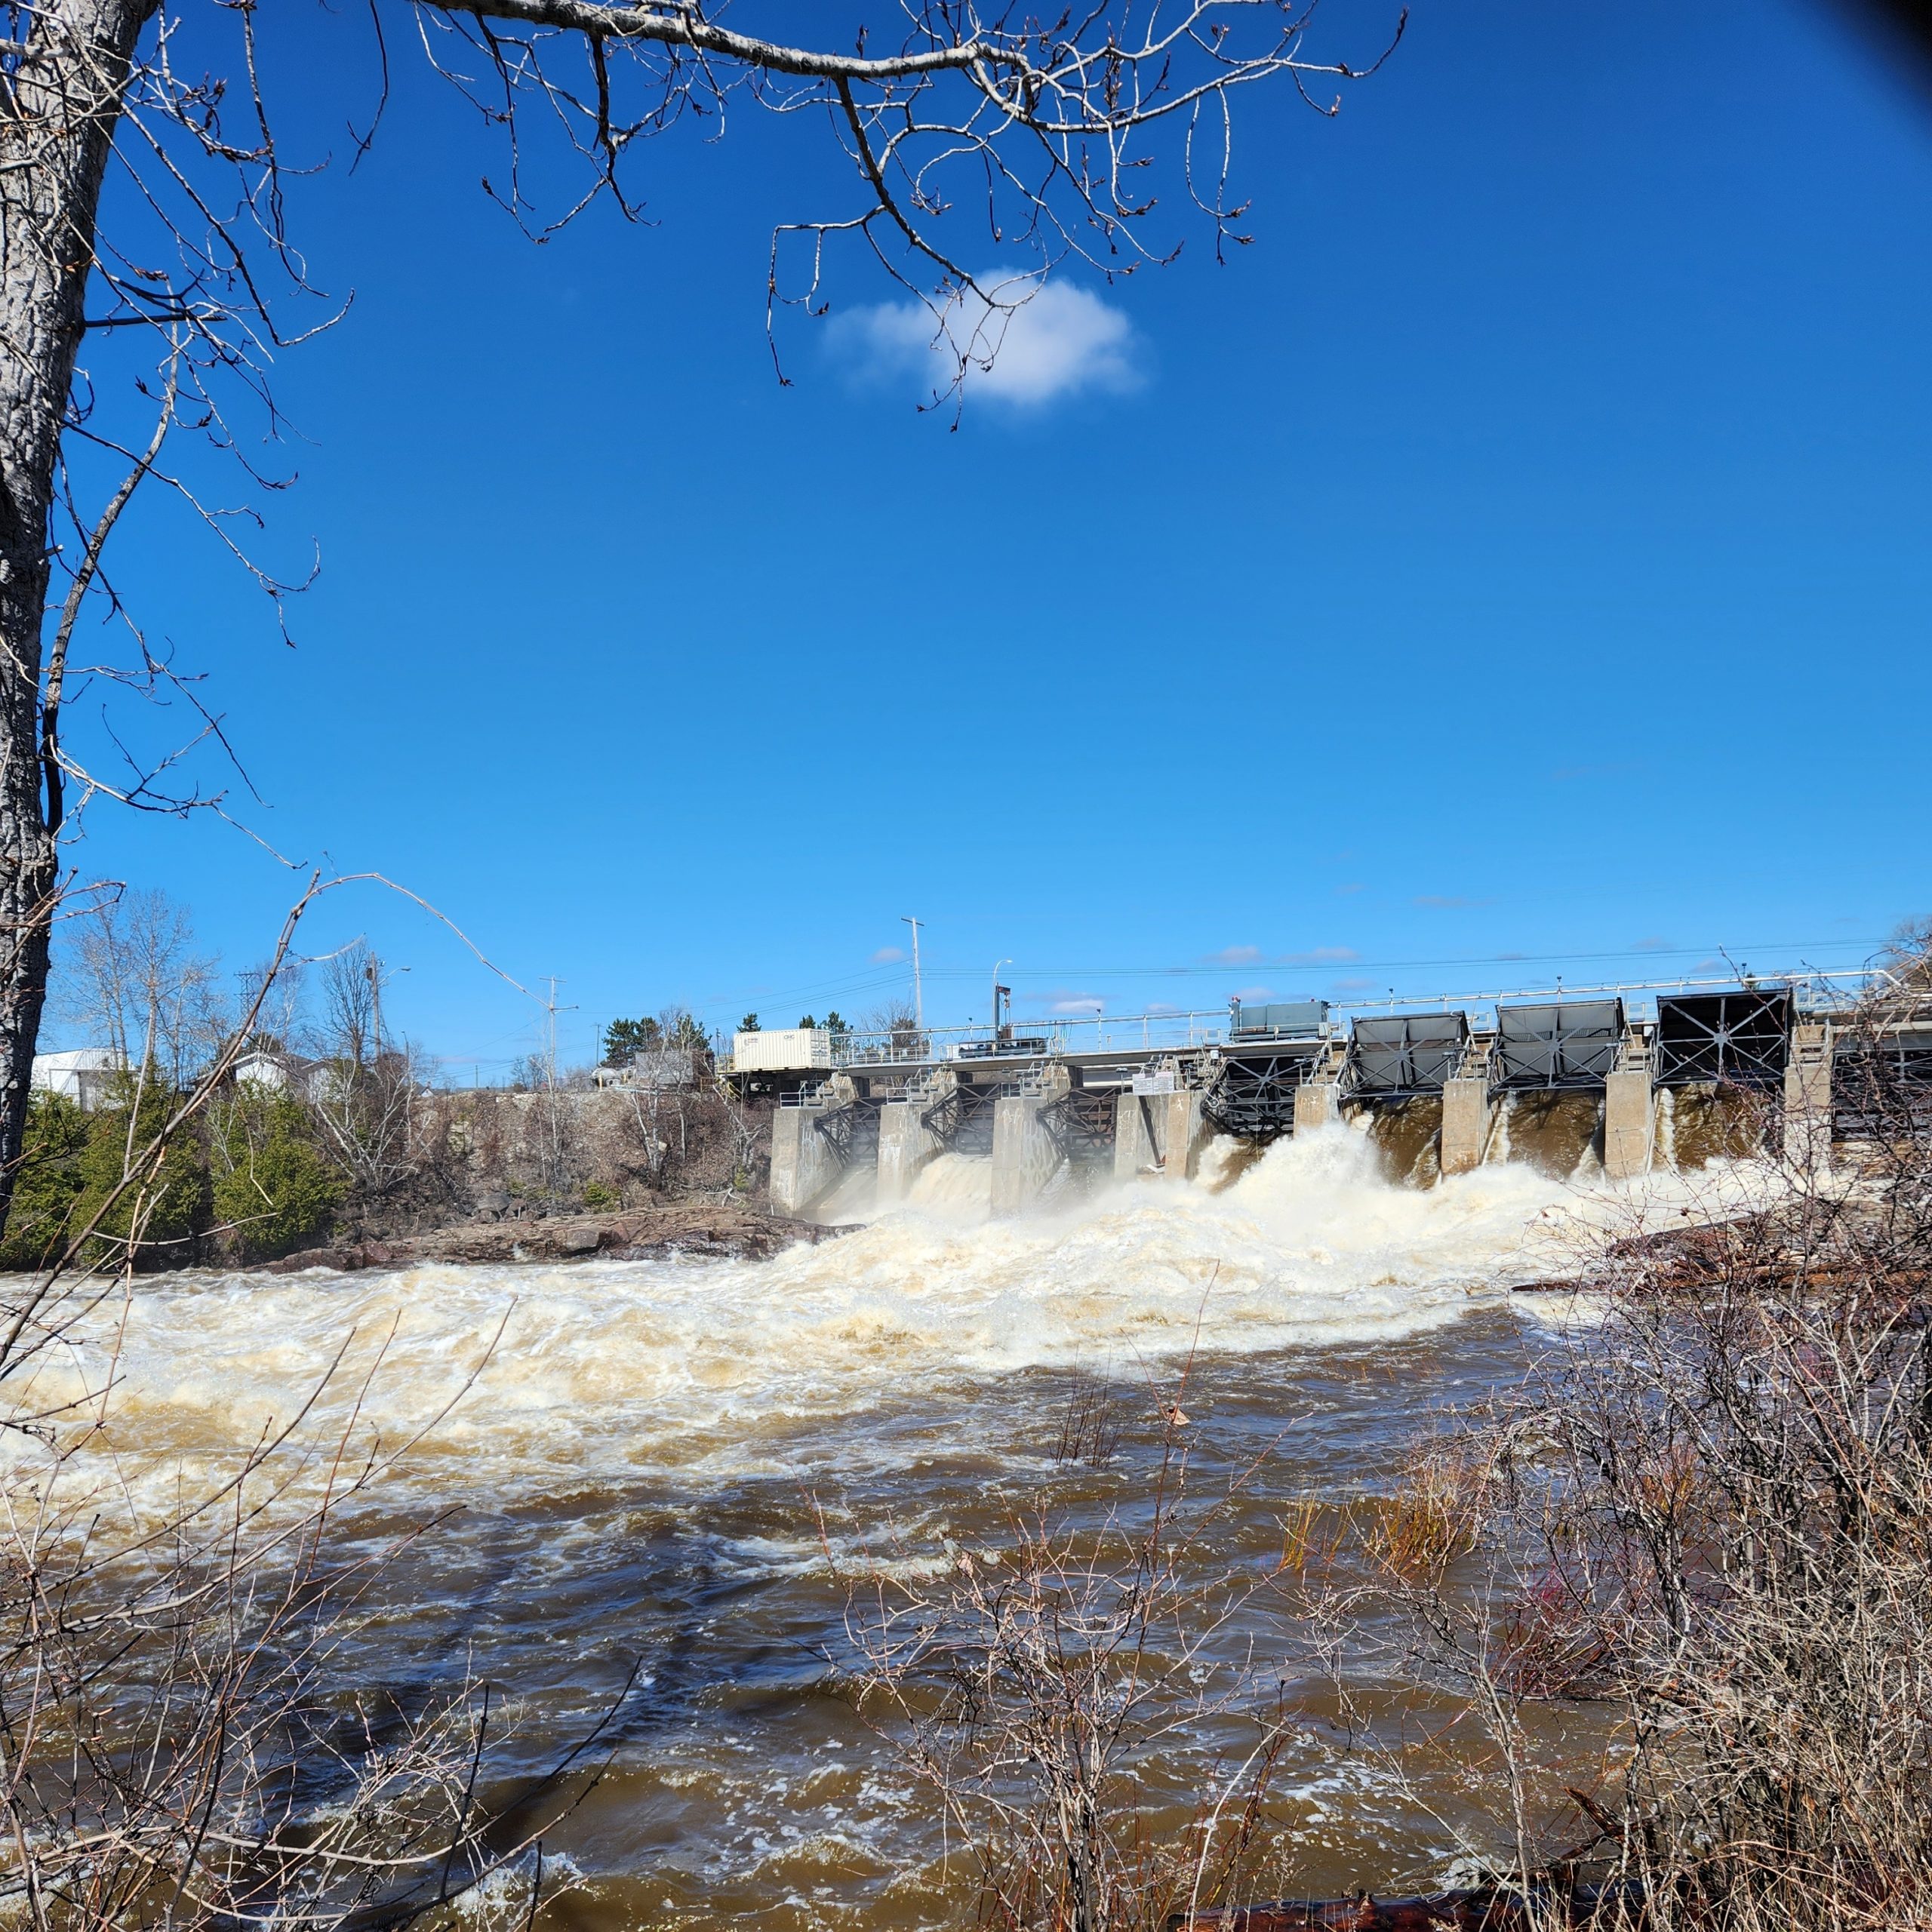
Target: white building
{"type": "Point", "coordinates": [290, 1073]}
{"type": "Point", "coordinates": [82, 1074]}
{"type": "Point", "coordinates": [670, 1066]}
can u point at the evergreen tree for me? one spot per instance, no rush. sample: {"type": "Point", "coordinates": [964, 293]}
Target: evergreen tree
{"type": "Point", "coordinates": [167, 1202]}
{"type": "Point", "coordinates": [277, 1190]}
{"type": "Point", "coordinates": [625, 1039]}
{"type": "Point", "coordinates": [48, 1184]}
{"type": "Point", "coordinates": [686, 1035]}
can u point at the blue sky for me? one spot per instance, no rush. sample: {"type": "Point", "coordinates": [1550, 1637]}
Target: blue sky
{"type": "Point", "coordinates": [1521, 549]}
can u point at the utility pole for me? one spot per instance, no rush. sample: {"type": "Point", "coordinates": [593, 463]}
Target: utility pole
{"type": "Point", "coordinates": [550, 1009]}
{"type": "Point", "coordinates": [373, 967]}
{"type": "Point", "coordinates": [919, 1003]}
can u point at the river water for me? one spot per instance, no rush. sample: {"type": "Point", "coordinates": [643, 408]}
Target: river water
{"type": "Point", "coordinates": [657, 1465]}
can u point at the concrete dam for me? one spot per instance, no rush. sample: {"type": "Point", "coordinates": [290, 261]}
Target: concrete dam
{"type": "Point", "coordinates": [1607, 1075]}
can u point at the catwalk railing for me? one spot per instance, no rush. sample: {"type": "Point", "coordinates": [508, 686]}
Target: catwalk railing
{"type": "Point", "coordinates": [1058, 1035]}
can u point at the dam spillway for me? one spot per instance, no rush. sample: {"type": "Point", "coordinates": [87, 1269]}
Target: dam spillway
{"type": "Point", "coordinates": [1448, 1087]}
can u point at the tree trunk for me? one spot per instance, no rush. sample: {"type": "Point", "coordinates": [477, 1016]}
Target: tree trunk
{"type": "Point", "coordinates": [58, 109]}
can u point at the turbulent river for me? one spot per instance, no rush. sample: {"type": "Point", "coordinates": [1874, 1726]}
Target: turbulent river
{"type": "Point", "coordinates": [654, 1465]}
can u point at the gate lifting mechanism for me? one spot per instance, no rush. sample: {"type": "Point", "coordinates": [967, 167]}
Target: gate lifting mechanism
{"type": "Point", "coordinates": [851, 1129]}
{"type": "Point", "coordinates": [1252, 1097]}
{"type": "Point", "coordinates": [1742, 1039]}
{"type": "Point", "coordinates": [1883, 1091]}
{"type": "Point", "coordinates": [1404, 1056]}
{"type": "Point", "coordinates": [1574, 1043]}
{"type": "Point", "coordinates": [961, 1122]}
{"type": "Point", "coordinates": [1081, 1125]}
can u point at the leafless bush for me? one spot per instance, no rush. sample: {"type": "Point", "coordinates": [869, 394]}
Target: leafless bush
{"type": "Point", "coordinates": [1089, 1428]}
{"type": "Point", "coordinates": [1042, 1689]}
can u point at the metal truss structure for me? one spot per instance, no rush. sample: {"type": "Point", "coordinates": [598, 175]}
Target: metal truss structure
{"type": "Point", "coordinates": [852, 1130]}
{"type": "Point", "coordinates": [1404, 1056]}
{"type": "Point", "coordinates": [1569, 1044]}
{"type": "Point", "coordinates": [1252, 1096]}
{"type": "Point", "coordinates": [1741, 1039]}
{"type": "Point", "coordinates": [1882, 1089]}
{"type": "Point", "coordinates": [1080, 1125]}
{"type": "Point", "coordinates": [961, 1120]}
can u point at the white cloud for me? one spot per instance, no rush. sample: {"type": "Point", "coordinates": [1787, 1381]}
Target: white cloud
{"type": "Point", "coordinates": [1322, 956]}
{"type": "Point", "coordinates": [1235, 955]}
{"type": "Point", "coordinates": [1064, 1000]}
{"type": "Point", "coordinates": [1059, 341]}
{"type": "Point", "coordinates": [1254, 992]}
{"type": "Point", "coordinates": [887, 955]}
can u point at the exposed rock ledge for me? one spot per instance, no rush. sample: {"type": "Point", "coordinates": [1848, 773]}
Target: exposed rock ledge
{"type": "Point", "coordinates": [689, 1227]}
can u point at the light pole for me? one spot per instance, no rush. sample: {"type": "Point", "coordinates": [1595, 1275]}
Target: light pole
{"type": "Point", "coordinates": [919, 1003]}
{"type": "Point", "coordinates": [997, 990]}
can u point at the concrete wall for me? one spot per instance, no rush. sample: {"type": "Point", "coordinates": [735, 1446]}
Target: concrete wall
{"type": "Point", "coordinates": [1186, 1133]}
{"type": "Point", "coordinates": [1807, 1097]}
{"type": "Point", "coordinates": [1139, 1120]}
{"type": "Point", "coordinates": [1317, 1103]}
{"type": "Point", "coordinates": [803, 1163]}
{"type": "Point", "coordinates": [1159, 1133]}
{"type": "Point", "coordinates": [1024, 1155]}
{"type": "Point", "coordinates": [1629, 1116]}
{"type": "Point", "coordinates": [905, 1145]}
{"type": "Point", "coordinates": [1466, 1114]}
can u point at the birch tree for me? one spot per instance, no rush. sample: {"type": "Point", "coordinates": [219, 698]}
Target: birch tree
{"type": "Point", "coordinates": [1102, 135]}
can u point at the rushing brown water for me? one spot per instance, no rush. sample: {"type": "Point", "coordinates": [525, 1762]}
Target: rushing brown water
{"type": "Point", "coordinates": [640, 1466]}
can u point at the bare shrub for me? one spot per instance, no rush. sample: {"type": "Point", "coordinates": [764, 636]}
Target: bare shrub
{"type": "Point", "coordinates": [1042, 1690]}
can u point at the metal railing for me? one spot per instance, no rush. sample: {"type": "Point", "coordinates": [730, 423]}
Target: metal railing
{"type": "Point", "coordinates": [1140, 1033]}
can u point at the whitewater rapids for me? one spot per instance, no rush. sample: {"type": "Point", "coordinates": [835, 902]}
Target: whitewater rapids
{"type": "Point", "coordinates": [554, 1377]}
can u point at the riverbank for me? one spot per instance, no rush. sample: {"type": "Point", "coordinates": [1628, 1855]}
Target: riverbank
{"type": "Point", "coordinates": [733, 1229]}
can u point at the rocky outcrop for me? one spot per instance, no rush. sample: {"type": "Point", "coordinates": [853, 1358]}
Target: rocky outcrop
{"type": "Point", "coordinates": [694, 1228]}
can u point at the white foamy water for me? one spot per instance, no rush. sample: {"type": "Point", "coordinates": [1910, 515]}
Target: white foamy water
{"type": "Point", "coordinates": [611, 1370]}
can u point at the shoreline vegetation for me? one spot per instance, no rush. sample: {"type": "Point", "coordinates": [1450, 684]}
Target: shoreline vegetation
{"type": "Point", "coordinates": [301, 1131]}
{"type": "Point", "coordinates": [369, 1176]}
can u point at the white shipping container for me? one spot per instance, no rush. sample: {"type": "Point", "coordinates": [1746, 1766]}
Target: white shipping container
{"type": "Point", "coordinates": [784, 1049]}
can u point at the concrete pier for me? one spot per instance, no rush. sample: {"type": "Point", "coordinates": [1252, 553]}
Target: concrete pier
{"type": "Point", "coordinates": [1139, 1121]}
{"type": "Point", "coordinates": [906, 1144]}
{"type": "Point", "coordinates": [1807, 1097]}
{"type": "Point", "coordinates": [1629, 1116]}
{"type": "Point", "coordinates": [1159, 1133]}
{"type": "Point", "coordinates": [1186, 1134]}
{"type": "Point", "coordinates": [803, 1163]}
{"type": "Point", "coordinates": [1466, 1116]}
{"type": "Point", "coordinates": [1024, 1155]}
{"type": "Point", "coordinates": [1317, 1104]}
